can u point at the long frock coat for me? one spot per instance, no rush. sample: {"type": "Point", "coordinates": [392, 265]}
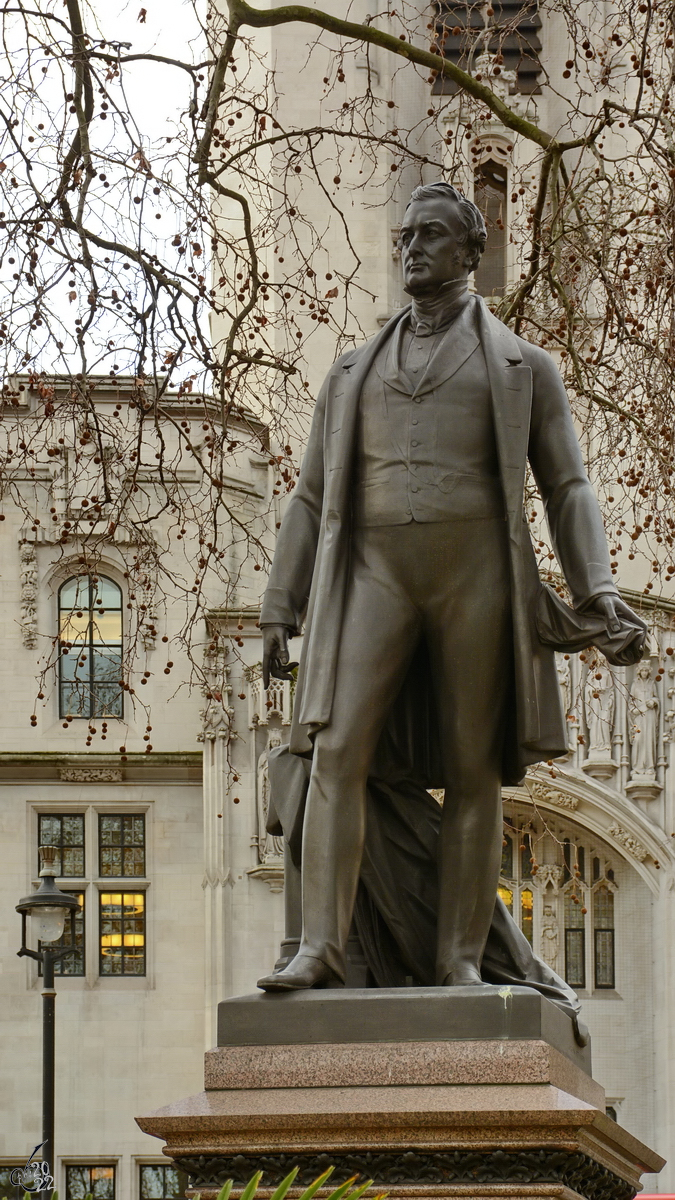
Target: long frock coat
{"type": "Point", "coordinates": [310, 573]}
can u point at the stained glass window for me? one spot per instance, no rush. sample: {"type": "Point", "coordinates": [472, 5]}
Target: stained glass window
{"type": "Point", "coordinates": [575, 943]}
{"type": "Point", "coordinates": [97, 1182]}
{"type": "Point", "coordinates": [603, 936]}
{"type": "Point", "coordinates": [121, 845]}
{"type": "Point", "coordinates": [162, 1182]}
{"type": "Point", "coordinates": [506, 895]}
{"type": "Point", "coordinates": [122, 933]}
{"type": "Point", "coordinates": [66, 833]}
{"type": "Point", "coordinates": [90, 648]}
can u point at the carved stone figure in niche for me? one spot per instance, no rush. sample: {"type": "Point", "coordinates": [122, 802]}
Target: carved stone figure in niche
{"type": "Point", "coordinates": [550, 937]}
{"type": "Point", "coordinates": [269, 846]}
{"type": "Point", "coordinates": [644, 709]}
{"type": "Point", "coordinates": [599, 702]}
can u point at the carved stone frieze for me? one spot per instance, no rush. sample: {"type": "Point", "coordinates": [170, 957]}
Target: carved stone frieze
{"type": "Point", "coordinates": [578, 1172]}
{"type": "Point", "coordinates": [551, 795]}
{"type": "Point", "coordinates": [629, 843]}
{"type": "Point", "coordinates": [91, 774]}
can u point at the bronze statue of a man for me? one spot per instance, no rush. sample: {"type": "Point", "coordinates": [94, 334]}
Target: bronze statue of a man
{"type": "Point", "coordinates": [406, 536]}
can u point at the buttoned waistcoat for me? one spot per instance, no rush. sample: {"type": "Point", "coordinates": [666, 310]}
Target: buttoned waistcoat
{"type": "Point", "coordinates": [310, 573]}
{"type": "Point", "coordinates": [425, 442]}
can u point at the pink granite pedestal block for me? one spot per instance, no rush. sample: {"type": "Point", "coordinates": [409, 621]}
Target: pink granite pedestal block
{"type": "Point", "coordinates": [504, 1118]}
{"type": "Point", "coordinates": [411, 1116]}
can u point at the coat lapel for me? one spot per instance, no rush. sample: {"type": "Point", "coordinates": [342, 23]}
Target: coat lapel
{"type": "Point", "coordinates": [511, 388]}
{"type": "Point", "coordinates": [342, 403]}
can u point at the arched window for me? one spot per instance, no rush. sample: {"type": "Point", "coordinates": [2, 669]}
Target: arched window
{"type": "Point", "coordinates": [90, 644]}
{"type": "Point", "coordinates": [490, 188]}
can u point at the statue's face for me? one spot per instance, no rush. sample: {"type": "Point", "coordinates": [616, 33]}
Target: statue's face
{"type": "Point", "coordinates": [432, 242]}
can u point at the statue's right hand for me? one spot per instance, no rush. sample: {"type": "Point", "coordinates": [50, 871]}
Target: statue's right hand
{"type": "Point", "coordinates": [275, 654]}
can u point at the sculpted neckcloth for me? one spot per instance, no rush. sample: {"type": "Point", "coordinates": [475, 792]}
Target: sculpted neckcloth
{"type": "Point", "coordinates": [430, 314]}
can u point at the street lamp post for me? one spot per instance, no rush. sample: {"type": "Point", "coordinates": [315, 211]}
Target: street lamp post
{"type": "Point", "coordinates": [47, 909]}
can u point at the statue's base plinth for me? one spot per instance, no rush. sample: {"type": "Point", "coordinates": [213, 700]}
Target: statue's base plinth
{"type": "Point", "coordinates": [438, 1092]}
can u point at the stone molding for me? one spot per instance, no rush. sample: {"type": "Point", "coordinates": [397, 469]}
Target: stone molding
{"type": "Point", "coordinates": [270, 873]}
{"type": "Point", "coordinates": [582, 1174]}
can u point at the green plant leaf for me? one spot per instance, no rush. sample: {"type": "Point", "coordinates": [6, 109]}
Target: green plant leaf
{"type": "Point", "coordinates": [251, 1187]}
{"type": "Point", "coordinates": [338, 1193]}
{"type": "Point", "coordinates": [359, 1190]}
{"type": "Point", "coordinates": [314, 1187]}
{"type": "Point", "coordinates": [285, 1184]}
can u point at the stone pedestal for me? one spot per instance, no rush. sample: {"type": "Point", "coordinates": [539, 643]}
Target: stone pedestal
{"type": "Point", "coordinates": [439, 1092]}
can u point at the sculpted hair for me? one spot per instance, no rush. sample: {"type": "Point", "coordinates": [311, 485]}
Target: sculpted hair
{"type": "Point", "coordinates": [471, 217]}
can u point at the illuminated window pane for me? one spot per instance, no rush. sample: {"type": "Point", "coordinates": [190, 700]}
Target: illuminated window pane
{"type": "Point", "coordinates": [506, 895]}
{"type": "Point", "coordinates": [98, 1182]}
{"type": "Point", "coordinates": [527, 914]}
{"type": "Point", "coordinates": [90, 648]}
{"type": "Point", "coordinates": [122, 933]}
{"type": "Point", "coordinates": [162, 1182]}
{"type": "Point", "coordinates": [603, 936]}
{"type": "Point", "coordinates": [121, 845]}
{"type": "Point", "coordinates": [507, 857]}
{"type": "Point", "coordinates": [66, 832]}
{"type": "Point", "coordinates": [70, 964]}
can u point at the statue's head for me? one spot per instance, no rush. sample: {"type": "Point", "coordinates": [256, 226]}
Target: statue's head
{"type": "Point", "coordinates": [442, 238]}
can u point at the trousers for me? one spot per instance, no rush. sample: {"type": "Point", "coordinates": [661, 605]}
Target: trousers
{"type": "Point", "coordinates": [447, 582]}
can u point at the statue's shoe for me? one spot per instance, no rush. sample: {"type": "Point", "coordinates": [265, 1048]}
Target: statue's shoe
{"type": "Point", "coordinates": [464, 976]}
{"type": "Point", "coordinates": [303, 972]}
